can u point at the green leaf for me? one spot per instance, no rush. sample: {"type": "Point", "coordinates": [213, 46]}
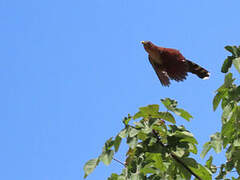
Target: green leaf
{"type": "Point", "coordinates": [127, 119]}
{"type": "Point", "coordinates": [233, 50]}
{"type": "Point", "coordinates": [227, 64]}
{"type": "Point", "coordinates": [192, 148]}
{"type": "Point", "coordinates": [236, 63]}
{"type": "Point", "coordinates": [113, 177]}
{"type": "Point", "coordinates": [148, 169]}
{"type": "Point", "coordinates": [106, 157]}
{"type": "Point", "coordinates": [138, 115]}
{"type": "Point", "coordinates": [162, 131]}
{"type": "Point", "coordinates": [117, 143]}
{"type": "Point", "coordinates": [123, 133]}
{"type": "Point", "coordinates": [209, 162]}
{"type": "Point", "coordinates": [167, 116]}
{"type": "Point", "coordinates": [184, 114]}
{"type": "Point", "coordinates": [236, 142]}
{"type": "Point", "coordinates": [132, 142]}
{"type": "Point", "coordinates": [136, 176]}
{"type": "Point", "coordinates": [132, 132]}
{"type": "Point", "coordinates": [150, 110]}
{"type": "Point", "coordinates": [142, 136]}
{"type": "Point", "coordinates": [228, 80]}
{"type": "Point", "coordinates": [179, 151]}
{"type": "Point", "coordinates": [227, 131]}
{"type": "Point", "coordinates": [158, 162]}
{"type": "Point", "coordinates": [203, 172]}
{"type": "Point", "coordinates": [206, 148]}
{"type": "Point", "coordinates": [108, 144]}
{"type": "Point", "coordinates": [186, 137]}
{"type": "Point", "coordinates": [90, 166]}
{"type": "Point", "coordinates": [181, 170]}
{"type": "Point", "coordinates": [216, 142]}
{"type": "Point", "coordinates": [217, 99]}
{"type": "Point", "coordinates": [170, 104]}
{"type": "Point", "coordinates": [198, 169]}
{"type": "Point", "coordinates": [227, 113]}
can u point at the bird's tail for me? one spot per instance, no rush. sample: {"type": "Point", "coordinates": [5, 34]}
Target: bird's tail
{"type": "Point", "coordinates": [198, 70]}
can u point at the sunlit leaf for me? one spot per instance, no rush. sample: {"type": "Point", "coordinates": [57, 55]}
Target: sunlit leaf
{"type": "Point", "coordinates": [217, 99]}
{"type": "Point", "coordinates": [236, 142]}
{"type": "Point", "coordinates": [127, 119]}
{"type": "Point", "coordinates": [184, 114]}
{"type": "Point", "coordinates": [192, 148]}
{"type": "Point", "coordinates": [158, 162]}
{"type": "Point", "coordinates": [113, 177]}
{"type": "Point", "coordinates": [216, 142]}
{"type": "Point", "coordinates": [228, 80]}
{"type": "Point", "coordinates": [167, 116]}
{"type": "Point", "coordinates": [227, 113]}
{"type": "Point", "coordinates": [132, 132]}
{"type": "Point", "coordinates": [117, 142]}
{"type": "Point", "coordinates": [170, 104]}
{"type": "Point", "coordinates": [236, 63]}
{"type": "Point", "coordinates": [198, 169]}
{"type": "Point", "coordinates": [106, 157]}
{"type": "Point", "coordinates": [209, 162]}
{"type": "Point", "coordinates": [206, 148]}
{"type": "Point", "coordinates": [108, 144]}
{"type": "Point", "coordinates": [150, 110]}
{"type": "Point", "coordinates": [123, 133]}
{"type": "Point", "coordinates": [90, 166]}
{"type": "Point", "coordinates": [186, 137]}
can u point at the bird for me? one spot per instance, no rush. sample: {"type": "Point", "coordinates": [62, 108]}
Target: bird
{"type": "Point", "coordinates": [170, 64]}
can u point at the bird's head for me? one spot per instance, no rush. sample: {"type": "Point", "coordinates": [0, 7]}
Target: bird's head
{"type": "Point", "coordinates": [148, 45]}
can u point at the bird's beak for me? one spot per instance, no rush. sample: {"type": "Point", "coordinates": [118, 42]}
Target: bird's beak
{"type": "Point", "coordinates": [143, 42]}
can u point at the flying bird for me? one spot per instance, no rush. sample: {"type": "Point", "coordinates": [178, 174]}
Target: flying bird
{"type": "Point", "coordinates": [171, 64]}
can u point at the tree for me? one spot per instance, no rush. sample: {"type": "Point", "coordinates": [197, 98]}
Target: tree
{"type": "Point", "coordinates": [159, 149]}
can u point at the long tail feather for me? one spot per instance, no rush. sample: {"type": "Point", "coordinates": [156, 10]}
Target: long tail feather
{"type": "Point", "coordinates": [198, 70]}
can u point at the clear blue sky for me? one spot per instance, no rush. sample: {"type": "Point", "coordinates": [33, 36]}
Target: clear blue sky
{"type": "Point", "coordinates": [71, 70]}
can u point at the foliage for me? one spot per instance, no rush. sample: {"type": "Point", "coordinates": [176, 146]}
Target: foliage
{"type": "Point", "coordinates": [159, 149]}
{"type": "Point", "coordinates": [229, 138]}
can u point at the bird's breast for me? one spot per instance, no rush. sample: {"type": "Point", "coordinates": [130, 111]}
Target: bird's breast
{"type": "Point", "coordinates": [156, 58]}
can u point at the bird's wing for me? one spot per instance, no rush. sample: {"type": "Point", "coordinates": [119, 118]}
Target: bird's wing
{"type": "Point", "coordinates": [162, 75]}
{"type": "Point", "coordinates": [177, 70]}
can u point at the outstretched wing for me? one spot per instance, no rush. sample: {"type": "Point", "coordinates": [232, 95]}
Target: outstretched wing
{"type": "Point", "coordinates": [161, 73]}
{"type": "Point", "coordinates": [177, 70]}
{"type": "Point", "coordinates": [175, 64]}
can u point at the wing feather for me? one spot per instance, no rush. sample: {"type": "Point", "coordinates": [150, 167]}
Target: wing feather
{"type": "Point", "coordinates": [161, 73]}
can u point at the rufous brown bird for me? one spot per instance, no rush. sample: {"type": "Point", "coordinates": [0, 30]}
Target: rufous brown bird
{"type": "Point", "coordinates": [171, 64]}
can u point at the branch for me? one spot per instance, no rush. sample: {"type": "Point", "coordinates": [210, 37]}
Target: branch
{"type": "Point", "coordinates": [119, 161]}
{"type": "Point", "coordinates": [176, 158]}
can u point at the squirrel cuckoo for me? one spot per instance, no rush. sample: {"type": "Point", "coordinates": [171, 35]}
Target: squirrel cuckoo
{"type": "Point", "coordinates": [171, 64]}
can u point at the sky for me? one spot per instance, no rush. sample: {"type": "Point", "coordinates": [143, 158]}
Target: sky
{"type": "Point", "coordinates": [70, 71]}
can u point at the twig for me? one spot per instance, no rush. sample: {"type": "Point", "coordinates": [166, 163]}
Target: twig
{"type": "Point", "coordinates": [175, 157]}
{"type": "Point", "coordinates": [119, 161]}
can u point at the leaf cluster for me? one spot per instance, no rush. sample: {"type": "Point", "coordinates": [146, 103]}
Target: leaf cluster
{"type": "Point", "coordinates": [229, 138]}
{"type": "Point", "coordinates": [158, 148]}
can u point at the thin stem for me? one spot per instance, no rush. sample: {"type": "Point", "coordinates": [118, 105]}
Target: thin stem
{"type": "Point", "coordinates": [119, 161]}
